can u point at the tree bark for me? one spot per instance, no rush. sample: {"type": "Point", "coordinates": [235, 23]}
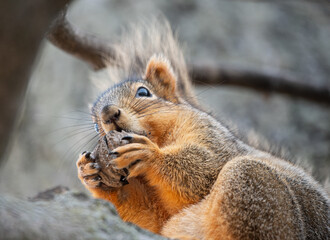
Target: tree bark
{"type": "Point", "coordinates": [23, 25]}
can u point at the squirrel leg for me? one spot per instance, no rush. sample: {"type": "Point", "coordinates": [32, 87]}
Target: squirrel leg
{"type": "Point", "coordinates": [252, 200]}
{"type": "Point", "coordinates": [171, 170]}
{"type": "Point", "coordinates": [135, 202]}
{"type": "Point", "coordinates": [249, 200]}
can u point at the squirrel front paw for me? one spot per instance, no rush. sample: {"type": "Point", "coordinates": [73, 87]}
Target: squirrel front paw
{"type": "Point", "coordinates": [135, 156]}
{"type": "Point", "coordinates": [88, 171]}
{"type": "Point", "coordinates": [93, 175]}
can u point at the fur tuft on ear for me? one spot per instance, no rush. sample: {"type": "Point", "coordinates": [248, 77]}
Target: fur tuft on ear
{"type": "Point", "coordinates": [160, 73]}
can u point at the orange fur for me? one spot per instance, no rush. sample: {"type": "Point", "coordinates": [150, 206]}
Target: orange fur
{"type": "Point", "coordinates": [136, 203]}
{"type": "Point", "coordinates": [194, 179]}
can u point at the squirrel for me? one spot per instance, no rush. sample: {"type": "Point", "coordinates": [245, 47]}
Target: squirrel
{"type": "Point", "coordinates": [189, 176]}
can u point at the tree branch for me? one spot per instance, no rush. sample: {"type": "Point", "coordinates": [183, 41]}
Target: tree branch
{"type": "Point", "coordinates": [265, 81]}
{"type": "Point", "coordinates": [84, 46]}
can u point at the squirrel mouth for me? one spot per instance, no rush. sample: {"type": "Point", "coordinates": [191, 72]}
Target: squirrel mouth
{"type": "Point", "coordinates": [117, 128]}
{"type": "Point", "coordinates": [120, 129]}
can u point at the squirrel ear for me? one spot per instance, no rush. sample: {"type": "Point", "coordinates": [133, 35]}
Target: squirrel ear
{"type": "Point", "coordinates": [160, 73]}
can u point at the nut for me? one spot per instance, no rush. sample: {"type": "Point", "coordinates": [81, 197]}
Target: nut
{"type": "Point", "coordinates": [111, 176]}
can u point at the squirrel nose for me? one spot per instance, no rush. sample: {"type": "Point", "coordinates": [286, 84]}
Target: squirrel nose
{"type": "Point", "coordinates": [110, 113]}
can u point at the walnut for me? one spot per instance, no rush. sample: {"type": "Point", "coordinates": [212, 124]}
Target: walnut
{"type": "Point", "coordinates": [111, 176]}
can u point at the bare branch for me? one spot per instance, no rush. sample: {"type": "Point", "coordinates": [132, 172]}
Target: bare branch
{"type": "Point", "coordinates": [94, 51]}
{"type": "Point", "coordinates": [84, 46]}
{"type": "Point", "coordinates": [266, 81]}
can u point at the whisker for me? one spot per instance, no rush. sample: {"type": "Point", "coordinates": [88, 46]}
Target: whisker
{"type": "Point", "coordinates": [82, 142]}
{"type": "Point", "coordinates": [154, 107]}
{"type": "Point", "coordinates": [143, 107]}
{"type": "Point", "coordinates": [137, 104]}
{"type": "Point", "coordinates": [92, 145]}
{"type": "Point", "coordinates": [80, 118]}
{"type": "Point", "coordinates": [67, 129]}
{"type": "Point", "coordinates": [78, 112]}
{"type": "Point", "coordinates": [197, 96]}
{"type": "Point", "coordinates": [128, 99]}
{"type": "Point", "coordinates": [167, 111]}
{"type": "Point", "coordinates": [84, 125]}
{"type": "Point", "coordinates": [73, 135]}
{"type": "Point", "coordinates": [75, 148]}
{"type": "Point", "coordinates": [142, 100]}
{"type": "Point", "coordinates": [87, 113]}
{"type": "Point", "coordinates": [85, 119]}
{"type": "Point", "coordinates": [83, 146]}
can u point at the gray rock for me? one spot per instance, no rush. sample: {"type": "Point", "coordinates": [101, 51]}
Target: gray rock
{"type": "Point", "coordinates": [65, 215]}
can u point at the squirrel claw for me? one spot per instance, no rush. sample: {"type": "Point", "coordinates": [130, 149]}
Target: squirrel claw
{"type": "Point", "coordinates": [95, 166]}
{"type": "Point", "coordinates": [127, 138]}
{"type": "Point", "coordinates": [124, 180]}
{"type": "Point", "coordinates": [97, 178]}
{"type": "Point", "coordinates": [88, 155]}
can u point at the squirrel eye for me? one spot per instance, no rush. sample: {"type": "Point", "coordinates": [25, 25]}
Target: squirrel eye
{"type": "Point", "coordinates": [96, 127]}
{"type": "Point", "coordinates": [143, 92]}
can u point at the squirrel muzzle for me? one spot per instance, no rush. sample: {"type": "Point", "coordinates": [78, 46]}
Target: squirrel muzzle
{"type": "Point", "coordinates": [114, 118]}
{"type": "Point", "coordinates": [110, 114]}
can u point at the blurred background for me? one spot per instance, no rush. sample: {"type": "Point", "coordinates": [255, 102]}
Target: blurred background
{"type": "Point", "coordinates": [53, 125]}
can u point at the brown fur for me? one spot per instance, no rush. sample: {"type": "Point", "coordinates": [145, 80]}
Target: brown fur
{"type": "Point", "coordinates": [194, 178]}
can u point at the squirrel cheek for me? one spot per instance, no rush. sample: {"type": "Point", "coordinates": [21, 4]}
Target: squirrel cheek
{"type": "Point", "coordinates": [128, 122]}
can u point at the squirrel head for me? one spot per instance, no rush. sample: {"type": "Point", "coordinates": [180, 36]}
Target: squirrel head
{"type": "Point", "coordinates": [145, 105]}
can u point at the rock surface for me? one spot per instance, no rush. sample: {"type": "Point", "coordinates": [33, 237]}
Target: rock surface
{"type": "Point", "coordinates": [64, 214]}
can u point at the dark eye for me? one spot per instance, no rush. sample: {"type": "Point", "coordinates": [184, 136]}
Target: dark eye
{"type": "Point", "coordinates": [143, 92]}
{"type": "Point", "coordinates": [96, 127]}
